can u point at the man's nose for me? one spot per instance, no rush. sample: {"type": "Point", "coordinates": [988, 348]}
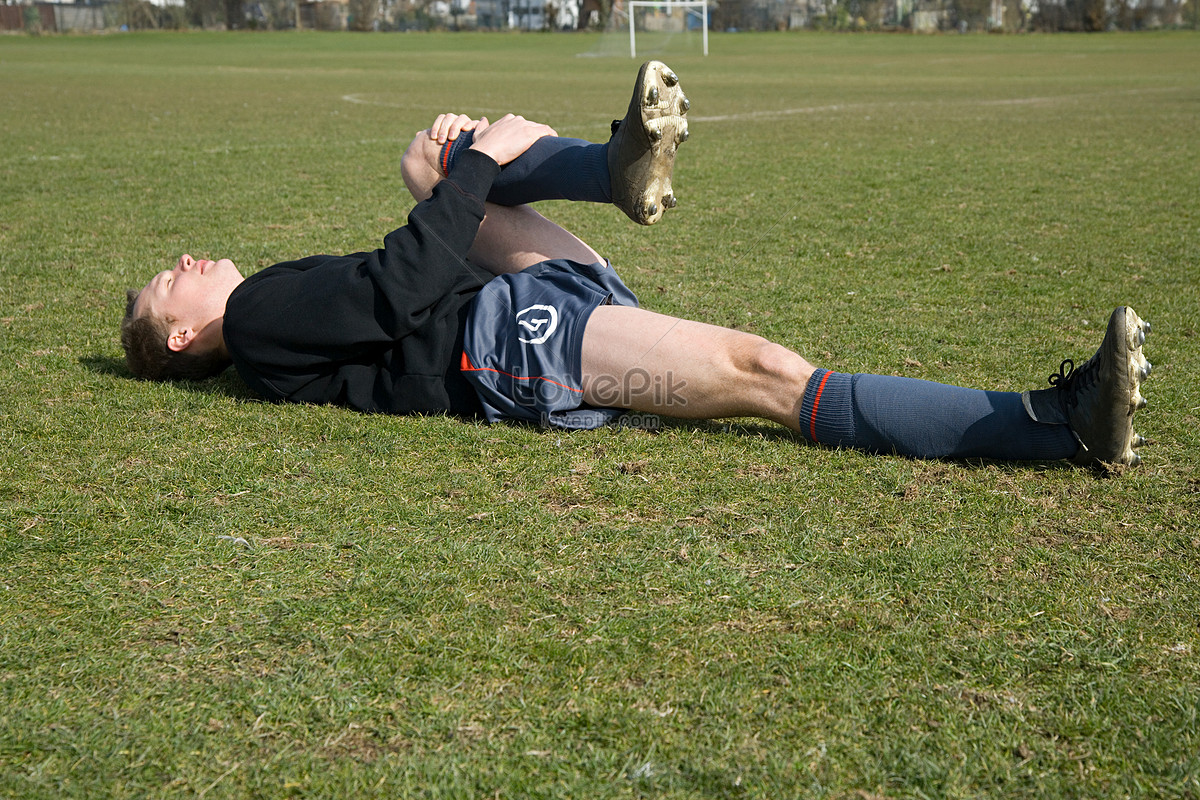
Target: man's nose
{"type": "Point", "coordinates": [186, 262]}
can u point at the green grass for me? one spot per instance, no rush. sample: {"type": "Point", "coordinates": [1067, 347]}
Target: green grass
{"type": "Point", "coordinates": [424, 607]}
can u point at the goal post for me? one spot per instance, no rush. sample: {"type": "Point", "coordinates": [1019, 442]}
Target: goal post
{"type": "Point", "coordinates": [689, 7]}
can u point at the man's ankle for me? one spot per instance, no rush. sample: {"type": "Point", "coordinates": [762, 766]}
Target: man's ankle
{"type": "Point", "coordinates": [451, 149]}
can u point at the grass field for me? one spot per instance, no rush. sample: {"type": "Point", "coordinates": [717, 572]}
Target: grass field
{"type": "Point", "coordinates": [202, 595]}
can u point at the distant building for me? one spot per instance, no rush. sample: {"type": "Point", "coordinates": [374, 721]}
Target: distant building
{"type": "Point", "coordinates": [528, 15]}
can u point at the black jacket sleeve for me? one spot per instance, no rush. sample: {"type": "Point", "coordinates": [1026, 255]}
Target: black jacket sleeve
{"type": "Point", "coordinates": [332, 304]}
{"type": "Point", "coordinates": [359, 329]}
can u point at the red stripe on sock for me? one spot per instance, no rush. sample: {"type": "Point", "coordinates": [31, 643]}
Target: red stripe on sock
{"type": "Point", "coordinates": [446, 156]}
{"type": "Point", "coordinates": [812, 422]}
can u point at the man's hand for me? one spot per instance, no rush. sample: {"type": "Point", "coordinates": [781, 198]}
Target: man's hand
{"type": "Point", "coordinates": [508, 137]}
{"type": "Point", "coordinates": [447, 127]}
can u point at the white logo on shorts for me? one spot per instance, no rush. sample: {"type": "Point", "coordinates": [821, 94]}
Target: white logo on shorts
{"type": "Point", "coordinates": [539, 322]}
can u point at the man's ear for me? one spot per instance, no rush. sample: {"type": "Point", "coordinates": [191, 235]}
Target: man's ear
{"type": "Point", "coordinates": [179, 339]}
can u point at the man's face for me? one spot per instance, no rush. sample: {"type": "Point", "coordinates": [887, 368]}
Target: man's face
{"type": "Point", "coordinates": [193, 294]}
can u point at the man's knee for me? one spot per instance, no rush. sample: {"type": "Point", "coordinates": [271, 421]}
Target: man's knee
{"type": "Point", "coordinates": [758, 359]}
{"type": "Point", "coordinates": [418, 166]}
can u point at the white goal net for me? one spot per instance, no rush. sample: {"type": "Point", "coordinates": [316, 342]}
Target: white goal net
{"type": "Point", "coordinates": [666, 26]}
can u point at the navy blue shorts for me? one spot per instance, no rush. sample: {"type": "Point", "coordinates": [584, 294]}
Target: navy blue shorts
{"type": "Point", "coordinates": [523, 344]}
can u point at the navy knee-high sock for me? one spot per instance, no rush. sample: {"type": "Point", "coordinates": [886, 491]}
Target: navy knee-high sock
{"type": "Point", "coordinates": [553, 168]}
{"type": "Point", "coordinates": [922, 419]}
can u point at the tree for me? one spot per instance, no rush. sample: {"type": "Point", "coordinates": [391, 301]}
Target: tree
{"type": "Point", "coordinates": [144, 15]}
{"type": "Point", "coordinates": [363, 14]}
{"type": "Point", "coordinates": [235, 16]}
{"type": "Point", "coordinates": [279, 14]}
{"type": "Point", "coordinates": [203, 13]}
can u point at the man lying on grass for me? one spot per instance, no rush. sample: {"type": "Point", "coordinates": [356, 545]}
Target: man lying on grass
{"type": "Point", "coordinates": [423, 326]}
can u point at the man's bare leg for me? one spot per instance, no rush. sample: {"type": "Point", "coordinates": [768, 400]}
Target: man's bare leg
{"type": "Point", "coordinates": [652, 363]}
{"type": "Point", "coordinates": [648, 362]}
{"type": "Point", "coordinates": [510, 238]}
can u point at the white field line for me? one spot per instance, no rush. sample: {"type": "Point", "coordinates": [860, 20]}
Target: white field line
{"type": "Point", "coordinates": [742, 116]}
{"type": "Point", "coordinates": [833, 108]}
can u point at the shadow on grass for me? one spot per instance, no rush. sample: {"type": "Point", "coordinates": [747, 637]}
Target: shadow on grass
{"type": "Point", "coordinates": [774, 433]}
{"type": "Point", "coordinates": [227, 383]}
{"type": "Point", "coordinates": [106, 365]}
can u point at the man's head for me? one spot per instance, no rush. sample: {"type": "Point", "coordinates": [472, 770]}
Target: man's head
{"type": "Point", "coordinates": [173, 327]}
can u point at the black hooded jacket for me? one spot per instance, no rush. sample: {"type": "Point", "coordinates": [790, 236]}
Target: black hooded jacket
{"type": "Point", "coordinates": [379, 331]}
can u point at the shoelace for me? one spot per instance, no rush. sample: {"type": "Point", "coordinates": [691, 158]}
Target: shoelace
{"type": "Point", "coordinates": [1065, 376]}
{"type": "Point", "coordinates": [1068, 376]}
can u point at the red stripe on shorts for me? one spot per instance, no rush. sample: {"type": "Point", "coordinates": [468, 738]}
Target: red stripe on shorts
{"type": "Point", "coordinates": [465, 365]}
